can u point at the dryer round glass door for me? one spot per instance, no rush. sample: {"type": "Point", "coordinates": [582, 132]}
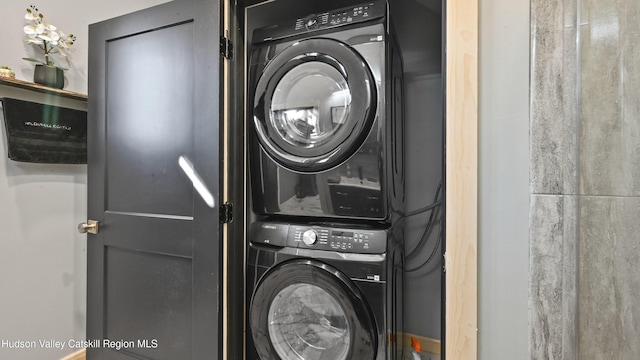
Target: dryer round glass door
{"type": "Point", "coordinates": [310, 104]}
{"type": "Point", "coordinates": [304, 309]}
{"type": "Point", "coordinates": [314, 105]}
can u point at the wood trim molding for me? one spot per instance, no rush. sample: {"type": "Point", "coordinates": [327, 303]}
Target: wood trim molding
{"type": "Point", "coordinates": [428, 345]}
{"type": "Point", "coordinates": [461, 257]}
{"type": "Point", "coordinates": [78, 355]}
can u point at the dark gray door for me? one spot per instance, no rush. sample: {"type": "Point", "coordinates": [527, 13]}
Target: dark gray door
{"type": "Point", "coordinates": [154, 167]}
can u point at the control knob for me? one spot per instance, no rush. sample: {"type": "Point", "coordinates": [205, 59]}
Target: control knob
{"type": "Point", "coordinates": [310, 237]}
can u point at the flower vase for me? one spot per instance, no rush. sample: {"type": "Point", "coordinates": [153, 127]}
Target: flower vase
{"type": "Point", "coordinates": [49, 76]}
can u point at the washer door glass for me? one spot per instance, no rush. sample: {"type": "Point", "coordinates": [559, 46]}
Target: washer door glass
{"type": "Point", "coordinates": [306, 322]}
{"type": "Point", "coordinates": [314, 105]}
{"type": "Point", "coordinates": [310, 103]}
{"type": "Point", "coordinates": [303, 309]}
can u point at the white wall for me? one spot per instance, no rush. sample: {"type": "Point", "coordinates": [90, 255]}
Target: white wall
{"type": "Point", "coordinates": [42, 257]}
{"type": "Point", "coordinates": [70, 16]}
{"type": "Point", "coordinates": [503, 244]}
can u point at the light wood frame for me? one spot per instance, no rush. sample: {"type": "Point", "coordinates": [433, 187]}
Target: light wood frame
{"type": "Point", "coordinates": [78, 355]}
{"type": "Point", "coordinates": [461, 256]}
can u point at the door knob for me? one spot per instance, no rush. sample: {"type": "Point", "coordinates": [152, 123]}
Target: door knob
{"type": "Point", "coordinates": [90, 227]}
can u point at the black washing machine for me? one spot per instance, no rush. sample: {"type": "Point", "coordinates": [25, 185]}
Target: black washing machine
{"type": "Point", "coordinates": [319, 292]}
{"type": "Point", "coordinates": [325, 109]}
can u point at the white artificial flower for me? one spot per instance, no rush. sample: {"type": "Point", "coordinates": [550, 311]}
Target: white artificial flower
{"type": "Point", "coordinates": [41, 32]}
{"type": "Point", "coordinates": [30, 30]}
{"type": "Point", "coordinates": [45, 37]}
{"type": "Point", "coordinates": [30, 16]}
{"type": "Point", "coordinates": [48, 25]}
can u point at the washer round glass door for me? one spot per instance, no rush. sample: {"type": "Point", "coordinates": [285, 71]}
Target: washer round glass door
{"type": "Point", "coordinates": [306, 310]}
{"type": "Point", "coordinates": [314, 105]}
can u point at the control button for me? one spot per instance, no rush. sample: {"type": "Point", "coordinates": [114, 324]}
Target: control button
{"type": "Point", "coordinates": [310, 237]}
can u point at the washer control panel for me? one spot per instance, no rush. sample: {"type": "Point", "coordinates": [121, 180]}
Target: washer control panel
{"type": "Point", "coordinates": [347, 240]}
{"type": "Point", "coordinates": [347, 15]}
{"type": "Point", "coordinates": [344, 16]}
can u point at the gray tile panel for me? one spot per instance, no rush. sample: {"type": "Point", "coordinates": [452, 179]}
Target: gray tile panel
{"type": "Point", "coordinates": [547, 128]}
{"type": "Point", "coordinates": [552, 304]}
{"type": "Point", "coordinates": [601, 149]}
{"type": "Point", "coordinates": [609, 285]}
{"type": "Point", "coordinates": [554, 122]}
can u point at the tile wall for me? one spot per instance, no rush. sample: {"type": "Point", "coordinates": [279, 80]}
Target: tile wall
{"type": "Point", "coordinates": [585, 180]}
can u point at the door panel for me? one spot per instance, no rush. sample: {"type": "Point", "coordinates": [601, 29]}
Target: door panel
{"type": "Point", "coordinates": [151, 132]}
{"type": "Point", "coordinates": [154, 266]}
{"type": "Point", "coordinates": [162, 287]}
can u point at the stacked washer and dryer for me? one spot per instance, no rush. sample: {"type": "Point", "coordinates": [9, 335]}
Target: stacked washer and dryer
{"type": "Point", "coordinates": [325, 245]}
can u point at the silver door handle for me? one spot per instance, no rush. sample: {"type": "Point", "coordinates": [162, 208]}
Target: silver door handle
{"type": "Point", "coordinates": [91, 227]}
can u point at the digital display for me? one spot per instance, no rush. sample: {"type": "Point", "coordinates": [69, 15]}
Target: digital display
{"type": "Point", "coordinates": [342, 233]}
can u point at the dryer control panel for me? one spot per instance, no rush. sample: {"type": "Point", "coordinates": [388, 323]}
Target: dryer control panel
{"type": "Point", "coordinates": [339, 17]}
{"type": "Point", "coordinates": [346, 240]}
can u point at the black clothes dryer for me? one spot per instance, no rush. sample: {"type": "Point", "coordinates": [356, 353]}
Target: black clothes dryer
{"type": "Point", "coordinates": [324, 293]}
{"type": "Point", "coordinates": [325, 109]}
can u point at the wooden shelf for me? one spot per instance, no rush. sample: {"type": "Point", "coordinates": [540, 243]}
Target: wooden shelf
{"type": "Point", "coordinates": [42, 89]}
